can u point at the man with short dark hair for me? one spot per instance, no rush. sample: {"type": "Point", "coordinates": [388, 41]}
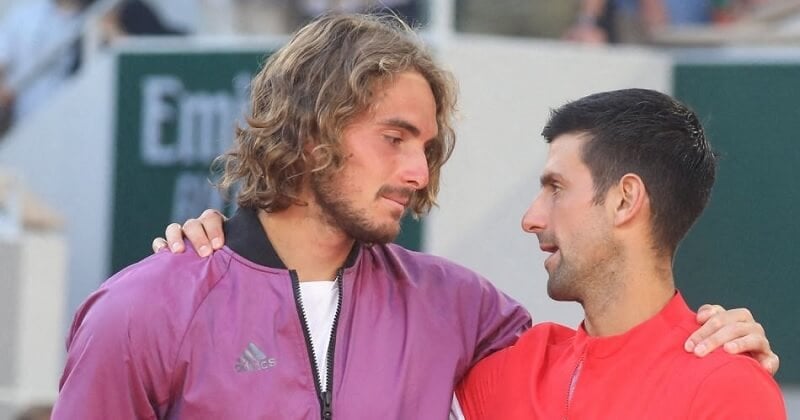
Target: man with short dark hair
{"type": "Point", "coordinates": [627, 174]}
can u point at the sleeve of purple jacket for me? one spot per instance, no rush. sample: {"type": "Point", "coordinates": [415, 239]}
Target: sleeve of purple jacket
{"type": "Point", "coordinates": [501, 321]}
{"type": "Point", "coordinates": [118, 356]}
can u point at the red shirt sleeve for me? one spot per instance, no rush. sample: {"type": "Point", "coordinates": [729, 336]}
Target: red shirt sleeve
{"type": "Point", "coordinates": [477, 388]}
{"type": "Point", "coordinates": [739, 390]}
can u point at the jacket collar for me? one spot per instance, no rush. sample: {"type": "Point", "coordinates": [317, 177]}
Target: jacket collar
{"type": "Point", "coordinates": [245, 236]}
{"type": "Point", "coordinates": [675, 313]}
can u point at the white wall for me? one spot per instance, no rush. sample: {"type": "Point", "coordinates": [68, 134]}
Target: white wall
{"type": "Point", "coordinates": [5, 6]}
{"type": "Point", "coordinates": [791, 395]}
{"type": "Point", "coordinates": [63, 152]}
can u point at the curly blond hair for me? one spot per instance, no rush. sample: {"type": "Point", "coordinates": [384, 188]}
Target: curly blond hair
{"type": "Point", "coordinates": [307, 93]}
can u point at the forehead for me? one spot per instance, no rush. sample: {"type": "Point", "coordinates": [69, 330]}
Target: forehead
{"type": "Point", "coordinates": [565, 154]}
{"type": "Point", "coordinates": [407, 96]}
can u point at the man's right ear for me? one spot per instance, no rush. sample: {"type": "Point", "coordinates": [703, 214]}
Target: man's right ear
{"type": "Point", "coordinates": [631, 200]}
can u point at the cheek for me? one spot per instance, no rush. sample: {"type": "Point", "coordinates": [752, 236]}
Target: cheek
{"type": "Point", "coordinates": [356, 184]}
{"type": "Point", "coordinates": [367, 165]}
{"type": "Point", "coordinates": [565, 215]}
{"type": "Point", "coordinates": [573, 223]}
{"type": "Point", "coordinates": [592, 229]}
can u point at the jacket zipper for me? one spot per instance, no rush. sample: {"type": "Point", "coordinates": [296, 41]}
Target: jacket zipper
{"type": "Point", "coordinates": [573, 382]}
{"type": "Point", "coordinates": [325, 397]}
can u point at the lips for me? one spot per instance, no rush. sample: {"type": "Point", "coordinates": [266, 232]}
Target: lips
{"type": "Point", "coordinates": [399, 199]}
{"type": "Point", "coordinates": [400, 196]}
{"type": "Point", "coordinates": [553, 251]}
{"type": "Point", "coordinates": [549, 248]}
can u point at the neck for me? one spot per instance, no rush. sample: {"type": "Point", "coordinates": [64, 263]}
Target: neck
{"type": "Point", "coordinates": [314, 249]}
{"type": "Point", "coordinates": [634, 295]}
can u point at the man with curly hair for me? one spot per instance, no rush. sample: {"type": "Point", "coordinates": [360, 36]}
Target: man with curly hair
{"type": "Point", "coordinates": [309, 311]}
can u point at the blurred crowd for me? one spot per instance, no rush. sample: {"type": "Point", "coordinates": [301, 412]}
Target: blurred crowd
{"type": "Point", "coordinates": [41, 41]}
{"type": "Point", "coordinates": [41, 45]}
{"type": "Point", "coordinates": [597, 21]}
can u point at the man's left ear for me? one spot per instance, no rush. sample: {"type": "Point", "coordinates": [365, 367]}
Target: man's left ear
{"type": "Point", "coordinates": [631, 197]}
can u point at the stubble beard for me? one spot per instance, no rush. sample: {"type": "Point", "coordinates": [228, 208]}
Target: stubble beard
{"type": "Point", "coordinates": [562, 283]}
{"type": "Point", "coordinates": [588, 277]}
{"type": "Point", "coordinates": [340, 213]}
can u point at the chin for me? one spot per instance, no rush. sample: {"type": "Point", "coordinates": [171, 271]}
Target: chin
{"type": "Point", "coordinates": [559, 292]}
{"type": "Point", "coordinates": [377, 235]}
{"type": "Point", "coordinates": [389, 235]}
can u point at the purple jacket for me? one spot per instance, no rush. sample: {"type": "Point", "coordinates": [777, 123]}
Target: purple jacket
{"type": "Point", "coordinates": [179, 336]}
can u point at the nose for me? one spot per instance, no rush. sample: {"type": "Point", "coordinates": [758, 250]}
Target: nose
{"type": "Point", "coordinates": [535, 219]}
{"type": "Point", "coordinates": [415, 169]}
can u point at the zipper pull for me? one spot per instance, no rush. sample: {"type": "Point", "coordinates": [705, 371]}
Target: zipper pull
{"type": "Point", "coordinates": [326, 405]}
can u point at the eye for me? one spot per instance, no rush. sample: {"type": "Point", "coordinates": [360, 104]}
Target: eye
{"type": "Point", "coordinates": [393, 139]}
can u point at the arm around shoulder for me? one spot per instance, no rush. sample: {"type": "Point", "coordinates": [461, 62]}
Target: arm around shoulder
{"type": "Point", "coordinates": [502, 320]}
{"type": "Point", "coordinates": [476, 391]}
{"type": "Point", "coordinates": [739, 389]}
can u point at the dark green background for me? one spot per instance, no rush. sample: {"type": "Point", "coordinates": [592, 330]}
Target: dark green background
{"type": "Point", "coordinates": [743, 250]}
{"type": "Point", "coordinates": [142, 195]}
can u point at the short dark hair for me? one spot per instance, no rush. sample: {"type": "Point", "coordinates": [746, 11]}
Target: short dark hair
{"type": "Point", "coordinates": [650, 134]}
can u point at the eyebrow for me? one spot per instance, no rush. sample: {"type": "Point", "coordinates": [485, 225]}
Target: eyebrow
{"type": "Point", "coordinates": [401, 123]}
{"type": "Point", "coordinates": [548, 178]}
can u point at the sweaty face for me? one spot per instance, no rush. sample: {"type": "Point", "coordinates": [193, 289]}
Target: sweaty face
{"type": "Point", "coordinates": [384, 164]}
{"type": "Point", "coordinates": [571, 227]}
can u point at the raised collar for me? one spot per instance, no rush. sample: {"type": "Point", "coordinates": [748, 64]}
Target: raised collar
{"type": "Point", "coordinates": [245, 236]}
{"type": "Point", "coordinates": [676, 312]}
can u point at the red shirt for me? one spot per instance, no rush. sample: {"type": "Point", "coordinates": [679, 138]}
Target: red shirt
{"type": "Point", "coordinates": [555, 372]}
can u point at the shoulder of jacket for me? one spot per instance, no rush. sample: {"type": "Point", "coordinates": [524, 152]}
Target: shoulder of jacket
{"type": "Point", "coordinates": [161, 290]}
{"type": "Point", "coordinates": [428, 263]}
